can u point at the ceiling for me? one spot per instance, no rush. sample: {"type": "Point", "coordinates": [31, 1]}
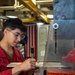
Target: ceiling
{"type": "Point", "coordinates": [45, 5]}
{"type": "Point", "coordinates": [13, 7]}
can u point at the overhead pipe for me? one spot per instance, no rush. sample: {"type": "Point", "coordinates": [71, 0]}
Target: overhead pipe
{"type": "Point", "coordinates": [18, 6]}
{"type": "Point", "coordinates": [21, 6]}
{"type": "Point", "coordinates": [29, 4]}
{"type": "Point", "coordinates": [34, 1]}
{"type": "Point", "coordinates": [29, 20]}
{"type": "Point", "coordinates": [43, 2]}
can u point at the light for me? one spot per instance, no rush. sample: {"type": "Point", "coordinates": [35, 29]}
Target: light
{"type": "Point", "coordinates": [40, 23]}
{"type": "Point", "coordinates": [50, 16]}
{"type": "Point", "coordinates": [12, 16]}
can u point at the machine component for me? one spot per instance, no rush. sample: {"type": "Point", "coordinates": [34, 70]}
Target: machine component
{"type": "Point", "coordinates": [61, 39]}
{"type": "Point", "coordinates": [32, 52]}
{"type": "Point", "coordinates": [65, 39]}
{"type": "Point", "coordinates": [42, 31]}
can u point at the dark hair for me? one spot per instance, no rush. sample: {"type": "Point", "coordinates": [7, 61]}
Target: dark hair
{"type": "Point", "coordinates": [14, 23]}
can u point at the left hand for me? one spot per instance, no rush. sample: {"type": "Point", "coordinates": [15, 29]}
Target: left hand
{"type": "Point", "coordinates": [32, 71]}
{"type": "Point", "coordinates": [36, 70]}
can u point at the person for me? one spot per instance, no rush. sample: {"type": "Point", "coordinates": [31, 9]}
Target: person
{"type": "Point", "coordinates": [13, 32]}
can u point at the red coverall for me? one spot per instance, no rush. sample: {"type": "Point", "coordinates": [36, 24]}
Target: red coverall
{"type": "Point", "coordinates": [5, 60]}
{"type": "Point", "coordinates": [70, 57]}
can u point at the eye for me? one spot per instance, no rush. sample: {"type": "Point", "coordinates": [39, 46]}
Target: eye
{"type": "Point", "coordinates": [16, 34]}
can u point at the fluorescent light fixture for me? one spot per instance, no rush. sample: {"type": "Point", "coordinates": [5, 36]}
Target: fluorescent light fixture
{"type": "Point", "coordinates": [12, 16]}
{"type": "Point", "coordinates": [40, 23]}
{"type": "Point", "coordinates": [50, 16]}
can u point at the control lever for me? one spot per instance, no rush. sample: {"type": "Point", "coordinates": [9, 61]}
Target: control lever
{"type": "Point", "coordinates": [32, 52]}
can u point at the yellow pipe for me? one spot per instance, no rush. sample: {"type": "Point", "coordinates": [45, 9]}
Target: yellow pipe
{"type": "Point", "coordinates": [28, 20]}
{"type": "Point", "coordinates": [29, 4]}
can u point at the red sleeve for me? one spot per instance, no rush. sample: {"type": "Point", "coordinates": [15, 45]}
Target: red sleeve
{"type": "Point", "coordinates": [70, 56]}
{"type": "Point", "coordinates": [6, 72]}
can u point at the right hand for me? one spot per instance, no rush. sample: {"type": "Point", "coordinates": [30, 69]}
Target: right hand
{"type": "Point", "coordinates": [28, 64]}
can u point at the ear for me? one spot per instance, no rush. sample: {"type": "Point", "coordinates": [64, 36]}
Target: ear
{"type": "Point", "coordinates": [5, 31]}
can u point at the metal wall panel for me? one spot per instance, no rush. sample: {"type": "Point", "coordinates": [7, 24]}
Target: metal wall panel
{"type": "Point", "coordinates": [64, 9]}
{"type": "Point", "coordinates": [61, 42]}
{"type": "Point", "coordinates": [42, 32]}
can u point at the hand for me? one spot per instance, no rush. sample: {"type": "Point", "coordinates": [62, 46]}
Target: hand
{"type": "Point", "coordinates": [32, 71]}
{"type": "Point", "coordinates": [28, 64]}
{"type": "Point", "coordinates": [37, 69]}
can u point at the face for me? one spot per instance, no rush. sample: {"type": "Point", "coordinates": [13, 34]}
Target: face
{"type": "Point", "coordinates": [13, 37]}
